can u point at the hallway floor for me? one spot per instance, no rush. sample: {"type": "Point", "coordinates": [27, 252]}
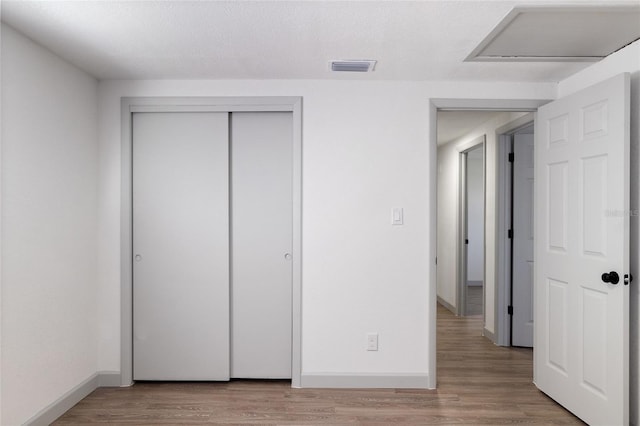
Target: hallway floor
{"type": "Point", "coordinates": [478, 383]}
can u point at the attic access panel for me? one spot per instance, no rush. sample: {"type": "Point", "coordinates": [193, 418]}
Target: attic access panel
{"type": "Point", "coordinates": [559, 34]}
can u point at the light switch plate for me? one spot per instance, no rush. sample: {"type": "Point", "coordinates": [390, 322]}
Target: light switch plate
{"type": "Point", "coordinates": [397, 216]}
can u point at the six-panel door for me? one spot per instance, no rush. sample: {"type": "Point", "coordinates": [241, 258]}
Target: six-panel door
{"type": "Point", "coordinates": [581, 351]}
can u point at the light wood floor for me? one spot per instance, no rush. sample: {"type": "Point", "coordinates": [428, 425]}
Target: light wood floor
{"type": "Point", "coordinates": [478, 383]}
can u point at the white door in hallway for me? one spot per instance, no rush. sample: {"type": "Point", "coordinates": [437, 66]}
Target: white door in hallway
{"type": "Point", "coordinates": [522, 325]}
{"type": "Point", "coordinates": [581, 348]}
{"type": "Point", "coordinates": [181, 246]}
{"type": "Point", "coordinates": [261, 244]}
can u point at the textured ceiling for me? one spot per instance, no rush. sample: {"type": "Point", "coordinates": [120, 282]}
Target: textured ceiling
{"type": "Point", "coordinates": [412, 40]}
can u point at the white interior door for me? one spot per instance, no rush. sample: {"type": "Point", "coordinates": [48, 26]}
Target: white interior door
{"type": "Point", "coordinates": [522, 278]}
{"type": "Point", "coordinates": [581, 351]}
{"type": "Point", "coordinates": [262, 226]}
{"type": "Point", "coordinates": [180, 246]}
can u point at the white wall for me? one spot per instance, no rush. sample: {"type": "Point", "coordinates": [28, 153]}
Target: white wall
{"type": "Point", "coordinates": [49, 222]}
{"type": "Point", "coordinates": [626, 60]}
{"type": "Point", "coordinates": [475, 215]}
{"type": "Point", "coordinates": [1, 221]}
{"type": "Point", "coordinates": [448, 184]}
{"type": "Point", "coordinates": [366, 149]}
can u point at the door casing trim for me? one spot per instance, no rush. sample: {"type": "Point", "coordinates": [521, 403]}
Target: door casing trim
{"type": "Point", "coordinates": [129, 105]}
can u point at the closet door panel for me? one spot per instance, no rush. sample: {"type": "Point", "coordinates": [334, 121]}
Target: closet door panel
{"type": "Point", "coordinates": [261, 241]}
{"type": "Point", "coordinates": [181, 246]}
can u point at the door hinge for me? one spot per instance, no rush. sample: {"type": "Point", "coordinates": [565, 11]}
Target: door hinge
{"type": "Point", "coordinates": [510, 310]}
{"type": "Point", "coordinates": [510, 233]}
{"type": "Point", "coordinates": [436, 260]}
{"type": "Point", "coordinates": [466, 241]}
{"type": "Point", "coordinates": [511, 157]}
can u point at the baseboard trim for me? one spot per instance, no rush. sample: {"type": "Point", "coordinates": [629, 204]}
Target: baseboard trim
{"type": "Point", "coordinates": [489, 335]}
{"type": "Point", "coordinates": [53, 411]}
{"type": "Point", "coordinates": [57, 408]}
{"type": "Point", "coordinates": [365, 380]}
{"type": "Point", "coordinates": [109, 379]}
{"type": "Point", "coordinates": [447, 305]}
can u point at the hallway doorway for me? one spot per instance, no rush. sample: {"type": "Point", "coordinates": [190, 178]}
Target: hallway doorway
{"type": "Point", "coordinates": [473, 223]}
{"type": "Point", "coordinates": [472, 285]}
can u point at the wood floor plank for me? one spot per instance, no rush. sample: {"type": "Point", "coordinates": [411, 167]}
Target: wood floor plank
{"type": "Point", "coordinates": [478, 384]}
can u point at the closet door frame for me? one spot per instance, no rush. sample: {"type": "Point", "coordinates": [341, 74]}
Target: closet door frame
{"type": "Point", "coordinates": [130, 105]}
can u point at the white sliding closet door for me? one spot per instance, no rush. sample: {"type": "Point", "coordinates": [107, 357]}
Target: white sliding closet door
{"type": "Point", "coordinates": [261, 243]}
{"type": "Point", "coordinates": [181, 246]}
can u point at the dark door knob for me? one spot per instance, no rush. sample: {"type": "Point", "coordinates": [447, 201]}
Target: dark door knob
{"type": "Point", "coordinates": [611, 277]}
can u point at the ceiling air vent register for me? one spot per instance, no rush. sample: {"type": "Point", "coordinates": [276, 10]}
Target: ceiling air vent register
{"type": "Point", "coordinates": [360, 65]}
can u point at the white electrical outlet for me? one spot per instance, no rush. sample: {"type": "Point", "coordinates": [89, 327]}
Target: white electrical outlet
{"type": "Point", "coordinates": [372, 341]}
